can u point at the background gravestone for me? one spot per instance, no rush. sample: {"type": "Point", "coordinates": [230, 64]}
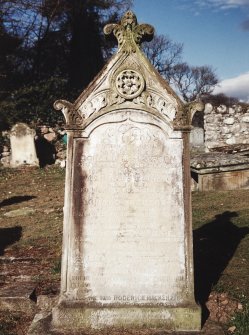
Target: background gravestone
{"type": "Point", "coordinates": [22, 143]}
{"type": "Point", "coordinates": [197, 137]}
{"type": "Point", "coordinates": [127, 239]}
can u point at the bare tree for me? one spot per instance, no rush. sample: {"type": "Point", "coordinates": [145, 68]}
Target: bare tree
{"type": "Point", "coordinates": [48, 49]}
{"type": "Point", "coordinates": [55, 34]}
{"type": "Point", "coordinates": [219, 99]}
{"type": "Point", "coordinates": [189, 81]}
{"type": "Point", "coordinates": [193, 81]}
{"type": "Point", "coordinates": [164, 54]}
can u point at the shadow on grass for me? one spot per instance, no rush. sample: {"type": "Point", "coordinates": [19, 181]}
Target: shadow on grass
{"type": "Point", "coordinates": [9, 236]}
{"type": "Point", "coordinates": [214, 246]}
{"type": "Point", "coordinates": [16, 200]}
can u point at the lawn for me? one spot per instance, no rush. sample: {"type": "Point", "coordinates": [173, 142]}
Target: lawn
{"type": "Point", "coordinates": [221, 253]}
{"type": "Point", "coordinates": [221, 240]}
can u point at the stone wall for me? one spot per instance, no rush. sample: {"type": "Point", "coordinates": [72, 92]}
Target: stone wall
{"type": "Point", "coordinates": [226, 126]}
{"type": "Point", "coordinates": [223, 127]}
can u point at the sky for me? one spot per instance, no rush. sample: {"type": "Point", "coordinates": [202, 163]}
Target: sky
{"type": "Point", "coordinates": [213, 32]}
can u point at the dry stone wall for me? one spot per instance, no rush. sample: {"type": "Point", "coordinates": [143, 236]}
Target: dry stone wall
{"type": "Point", "coordinates": [225, 126]}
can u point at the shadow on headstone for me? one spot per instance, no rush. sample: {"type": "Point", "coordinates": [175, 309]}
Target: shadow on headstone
{"type": "Point", "coordinates": [16, 200]}
{"type": "Point", "coordinates": [45, 152]}
{"type": "Point", "coordinates": [9, 236]}
{"type": "Point", "coordinates": [214, 246]}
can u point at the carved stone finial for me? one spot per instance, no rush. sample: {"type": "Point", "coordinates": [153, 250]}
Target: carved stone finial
{"type": "Point", "coordinates": [129, 33]}
{"type": "Point", "coordinates": [72, 115]}
{"type": "Point", "coordinates": [185, 115]}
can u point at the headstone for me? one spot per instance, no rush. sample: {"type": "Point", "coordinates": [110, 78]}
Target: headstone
{"type": "Point", "coordinates": [127, 240]}
{"type": "Point", "coordinates": [197, 137]}
{"type": "Point", "coordinates": [22, 143]}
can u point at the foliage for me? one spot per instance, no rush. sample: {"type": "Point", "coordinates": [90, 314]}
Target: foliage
{"type": "Point", "coordinates": [60, 37]}
{"type": "Point", "coordinates": [53, 48]}
{"type": "Point", "coordinates": [9, 46]}
{"type": "Point", "coordinates": [34, 103]}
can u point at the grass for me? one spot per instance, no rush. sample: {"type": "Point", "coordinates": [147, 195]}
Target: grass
{"type": "Point", "coordinates": [220, 223]}
{"type": "Point", "coordinates": [57, 267]}
{"type": "Point", "coordinates": [12, 324]}
{"type": "Point", "coordinates": [221, 236]}
{"type": "Point", "coordinates": [241, 321]}
{"type": "Point", "coordinates": [44, 191]}
{"type": "Point", "coordinates": [225, 215]}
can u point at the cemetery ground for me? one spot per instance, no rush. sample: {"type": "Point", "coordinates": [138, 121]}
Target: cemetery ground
{"type": "Point", "coordinates": [31, 215]}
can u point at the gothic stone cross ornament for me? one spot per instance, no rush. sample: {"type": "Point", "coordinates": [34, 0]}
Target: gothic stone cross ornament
{"type": "Point", "coordinates": [129, 33]}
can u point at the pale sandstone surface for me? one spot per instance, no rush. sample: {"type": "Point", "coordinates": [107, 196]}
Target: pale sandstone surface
{"type": "Point", "coordinates": [127, 239]}
{"type": "Point", "coordinates": [22, 142]}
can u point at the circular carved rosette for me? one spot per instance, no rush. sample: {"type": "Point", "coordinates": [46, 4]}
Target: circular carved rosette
{"type": "Point", "coordinates": [129, 84]}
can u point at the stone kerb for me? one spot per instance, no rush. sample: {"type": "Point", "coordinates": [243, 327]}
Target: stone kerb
{"type": "Point", "coordinates": [22, 143]}
{"type": "Point", "coordinates": [226, 126]}
{"type": "Point", "coordinates": [127, 258]}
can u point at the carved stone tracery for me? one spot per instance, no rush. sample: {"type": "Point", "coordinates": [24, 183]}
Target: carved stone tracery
{"type": "Point", "coordinates": [129, 84]}
{"type": "Point", "coordinates": [129, 89]}
{"type": "Point", "coordinates": [94, 105]}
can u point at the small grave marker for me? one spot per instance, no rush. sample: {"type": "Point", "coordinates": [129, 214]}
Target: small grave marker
{"type": "Point", "coordinates": [23, 150]}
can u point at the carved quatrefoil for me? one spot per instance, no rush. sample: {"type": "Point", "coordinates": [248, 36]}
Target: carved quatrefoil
{"type": "Point", "coordinates": [129, 84]}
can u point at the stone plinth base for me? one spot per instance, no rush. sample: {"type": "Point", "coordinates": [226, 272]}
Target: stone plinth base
{"type": "Point", "coordinates": [166, 318]}
{"type": "Point", "coordinates": [43, 324]}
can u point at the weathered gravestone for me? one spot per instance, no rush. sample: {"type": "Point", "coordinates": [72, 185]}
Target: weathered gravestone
{"type": "Point", "coordinates": [22, 143]}
{"type": "Point", "coordinates": [197, 137]}
{"type": "Point", "coordinates": [127, 240]}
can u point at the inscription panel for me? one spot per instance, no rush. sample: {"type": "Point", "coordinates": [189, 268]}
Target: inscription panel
{"type": "Point", "coordinates": [128, 240]}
